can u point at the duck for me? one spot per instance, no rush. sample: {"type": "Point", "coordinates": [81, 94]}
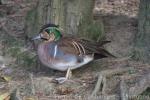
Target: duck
{"type": "Point", "coordinates": [66, 53]}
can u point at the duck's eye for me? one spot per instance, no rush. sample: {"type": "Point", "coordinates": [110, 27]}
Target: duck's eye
{"type": "Point", "coordinates": [48, 30]}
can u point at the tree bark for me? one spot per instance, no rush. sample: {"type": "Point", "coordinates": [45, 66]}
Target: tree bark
{"type": "Point", "coordinates": [73, 17]}
{"type": "Point", "coordinates": [142, 47]}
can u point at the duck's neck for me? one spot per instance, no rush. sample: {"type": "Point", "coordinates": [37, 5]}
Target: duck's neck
{"type": "Point", "coordinates": [49, 48]}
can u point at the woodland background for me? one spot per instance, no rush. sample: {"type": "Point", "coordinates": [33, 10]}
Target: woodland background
{"type": "Point", "coordinates": [125, 22]}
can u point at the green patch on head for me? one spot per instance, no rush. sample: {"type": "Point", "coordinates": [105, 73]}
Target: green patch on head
{"type": "Point", "coordinates": [55, 31]}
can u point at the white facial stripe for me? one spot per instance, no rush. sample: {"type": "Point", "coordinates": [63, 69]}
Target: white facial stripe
{"type": "Point", "coordinates": [55, 51]}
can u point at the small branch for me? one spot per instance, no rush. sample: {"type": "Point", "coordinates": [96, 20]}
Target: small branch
{"type": "Point", "coordinates": [142, 83]}
{"type": "Point", "coordinates": [123, 90]}
{"type": "Point", "coordinates": [15, 95]}
{"type": "Point", "coordinates": [32, 84]}
{"type": "Point", "coordinates": [98, 84]}
{"type": "Point", "coordinates": [123, 58]}
{"type": "Point", "coordinates": [104, 85]}
{"type": "Point", "coordinates": [102, 79]}
{"type": "Point", "coordinates": [111, 72]}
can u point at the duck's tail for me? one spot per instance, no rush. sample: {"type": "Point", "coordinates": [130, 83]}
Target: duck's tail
{"type": "Point", "coordinates": [95, 48]}
{"type": "Point", "coordinates": [102, 52]}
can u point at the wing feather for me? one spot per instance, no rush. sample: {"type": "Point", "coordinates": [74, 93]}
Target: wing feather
{"type": "Point", "coordinates": [83, 46]}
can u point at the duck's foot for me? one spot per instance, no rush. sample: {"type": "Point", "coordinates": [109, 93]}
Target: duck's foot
{"type": "Point", "coordinates": [63, 79]}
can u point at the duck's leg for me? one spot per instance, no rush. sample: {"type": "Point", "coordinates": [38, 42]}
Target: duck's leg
{"type": "Point", "coordinates": [63, 79]}
{"type": "Point", "coordinates": [69, 73]}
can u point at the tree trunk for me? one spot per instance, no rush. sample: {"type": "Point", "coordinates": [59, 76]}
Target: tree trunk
{"type": "Point", "coordinates": [142, 41]}
{"type": "Point", "coordinates": [73, 16]}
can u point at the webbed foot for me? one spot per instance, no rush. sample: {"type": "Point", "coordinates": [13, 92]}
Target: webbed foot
{"type": "Point", "coordinates": [61, 80]}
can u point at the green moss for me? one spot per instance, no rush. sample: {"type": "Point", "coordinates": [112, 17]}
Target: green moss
{"type": "Point", "coordinates": [94, 31]}
{"type": "Point", "coordinates": [14, 51]}
{"type": "Point", "coordinates": [11, 41]}
{"type": "Point", "coordinates": [13, 47]}
{"type": "Point", "coordinates": [146, 92]}
{"type": "Point", "coordinates": [23, 58]}
{"type": "Point", "coordinates": [141, 54]}
{"type": "Point", "coordinates": [11, 44]}
{"type": "Point", "coordinates": [32, 22]}
{"type": "Point", "coordinates": [26, 59]}
{"type": "Point", "coordinates": [144, 96]}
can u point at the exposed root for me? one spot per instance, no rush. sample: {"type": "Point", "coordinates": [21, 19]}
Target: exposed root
{"type": "Point", "coordinates": [101, 83]}
{"type": "Point", "coordinates": [32, 84]}
{"type": "Point", "coordinates": [131, 84]}
{"type": "Point", "coordinates": [98, 85]}
{"type": "Point", "coordinates": [123, 90]}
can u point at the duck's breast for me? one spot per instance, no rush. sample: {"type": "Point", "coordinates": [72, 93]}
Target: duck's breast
{"type": "Point", "coordinates": [52, 56]}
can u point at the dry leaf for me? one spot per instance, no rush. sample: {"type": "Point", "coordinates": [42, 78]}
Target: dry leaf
{"type": "Point", "coordinates": [5, 96]}
{"type": "Point", "coordinates": [6, 78]}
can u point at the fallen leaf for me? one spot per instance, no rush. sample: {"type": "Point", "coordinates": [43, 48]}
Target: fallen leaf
{"type": "Point", "coordinates": [5, 96]}
{"type": "Point", "coordinates": [5, 78]}
{"type": "Point", "coordinates": [64, 90]}
{"type": "Point", "coordinates": [29, 98]}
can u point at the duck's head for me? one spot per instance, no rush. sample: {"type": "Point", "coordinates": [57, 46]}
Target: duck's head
{"type": "Point", "coordinates": [49, 32]}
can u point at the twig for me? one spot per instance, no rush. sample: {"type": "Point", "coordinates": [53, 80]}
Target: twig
{"type": "Point", "coordinates": [123, 58]}
{"type": "Point", "coordinates": [111, 72]}
{"type": "Point", "coordinates": [98, 84]}
{"type": "Point", "coordinates": [104, 85]}
{"type": "Point", "coordinates": [123, 90]}
{"type": "Point", "coordinates": [15, 94]}
{"type": "Point", "coordinates": [102, 79]}
{"type": "Point", "coordinates": [32, 84]}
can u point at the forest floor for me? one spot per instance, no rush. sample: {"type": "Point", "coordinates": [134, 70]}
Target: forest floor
{"type": "Point", "coordinates": [106, 79]}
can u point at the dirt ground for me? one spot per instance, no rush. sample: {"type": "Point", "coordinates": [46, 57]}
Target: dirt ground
{"type": "Point", "coordinates": [106, 79]}
{"type": "Point", "coordinates": [111, 79]}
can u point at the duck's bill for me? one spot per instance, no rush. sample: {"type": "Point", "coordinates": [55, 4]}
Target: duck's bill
{"type": "Point", "coordinates": [36, 37]}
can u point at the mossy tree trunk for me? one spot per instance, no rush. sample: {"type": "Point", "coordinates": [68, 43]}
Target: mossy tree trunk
{"type": "Point", "coordinates": [73, 16]}
{"type": "Point", "coordinates": [142, 41]}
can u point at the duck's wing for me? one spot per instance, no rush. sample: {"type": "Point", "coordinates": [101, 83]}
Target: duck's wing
{"type": "Point", "coordinates": [69, 46]}
{"type": "Point", "coordinates": [84, 47]}
{"type": "Point", "coordinates": [97, 48]}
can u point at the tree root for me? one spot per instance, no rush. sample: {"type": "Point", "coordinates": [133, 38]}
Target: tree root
{"type": "Point", "coordinates": [123, 90]}
{"type": "Point", "coordinates": [140, 82]}
{"type": "Point", "coordinates": [98, 85]}
{"type": "Point", "coordinates": [102, 79]}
